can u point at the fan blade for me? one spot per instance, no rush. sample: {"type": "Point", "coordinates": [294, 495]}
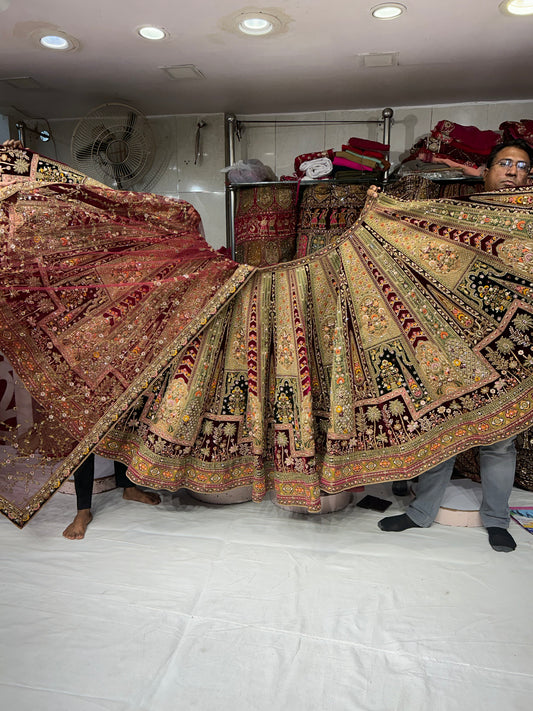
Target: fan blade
{"type": "Point", "coordinates": [128, 131]}
{"type": "Point", "coordinates": [116, 175]}
{"type": "Point", "coordinates": [99, 145]}
{"type": "Point", "coordinates": [121, 173]}
{"type": "Point", "coordinates": [85, 153]}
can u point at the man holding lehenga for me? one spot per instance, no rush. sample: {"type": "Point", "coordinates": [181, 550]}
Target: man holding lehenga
{"type": "Point", "coordinates": [508, 167]}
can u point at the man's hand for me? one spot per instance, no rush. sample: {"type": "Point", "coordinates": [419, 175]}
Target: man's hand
{"type": "Point", "coordinates": [373, 191]}
{"type": "Point", "coordinates": [12, 143]}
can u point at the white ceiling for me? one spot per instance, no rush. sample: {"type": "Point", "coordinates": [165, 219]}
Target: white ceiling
{"type": "Point", "coordinates": [448, 51]}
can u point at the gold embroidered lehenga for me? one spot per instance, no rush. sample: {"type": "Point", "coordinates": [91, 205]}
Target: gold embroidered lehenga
{"type": "Point", "coordinates": [404, 342]}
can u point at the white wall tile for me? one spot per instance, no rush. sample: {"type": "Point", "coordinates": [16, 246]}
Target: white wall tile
{"type": "Point", "coordinates": [338, 134]}
{"type": "Point", "coordinates": [258, 140]}
{"type": "Point", "coordinates": [292, 141]}
{"type": "Point", "coordinates": [509, 111]}
{"type": "Point", "coordinates": [205, 175]}
{"type": "Point", "coordinates": [212, 209]}
{"type": "Point", "coordinates": [465, 114]}
{"type": "Point", "coordinates": [408, 126]}
{"type": "Point", "coordinates": [162, 177]}
{"type": "Point", "coordinates": [59, 147]}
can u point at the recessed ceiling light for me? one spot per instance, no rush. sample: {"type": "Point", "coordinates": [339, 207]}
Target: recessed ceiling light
{"type": "Point", "coordinates": [52, 38]}
{"type": "Point", "coordinates": [257, 24]}
{"type": "Point", "coordinates": [517, 7]}
{"type": "Point", "coordinates": [152, 33]}
{"type": "Point", "coordinates": [388, 10]}
{"type": "Point", "coordinates": [55, 42]}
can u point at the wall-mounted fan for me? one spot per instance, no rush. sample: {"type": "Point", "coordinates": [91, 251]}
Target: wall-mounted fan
{"type": "Point", "coordinates": [114, 143]}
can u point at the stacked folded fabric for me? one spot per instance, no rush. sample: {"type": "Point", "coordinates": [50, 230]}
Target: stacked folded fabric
{"type": "Point", "coordinates": [457, 146]}
{"type": "Point", "coordinates": [312, 166]}
{"type": "Point", "coordinates": [316, 168]}
{"type": "Point", "coordinates": [360, 154]}
{"type": "Point", "coordinates": [316, 163]}
{"type": "Point", "coordinates": [518, 129]}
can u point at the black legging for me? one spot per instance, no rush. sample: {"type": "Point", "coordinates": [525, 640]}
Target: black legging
{"type": "Point", "coordinates": [84, 480]}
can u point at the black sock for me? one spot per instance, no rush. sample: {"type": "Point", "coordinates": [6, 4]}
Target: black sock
{"type": "Point", "coordinates": [400, 488]}
{"type": "Point", "coordinates": [500, 539]}
{"type": "Point", "coordinates": [397, 523]}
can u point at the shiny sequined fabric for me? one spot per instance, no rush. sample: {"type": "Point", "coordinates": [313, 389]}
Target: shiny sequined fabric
{"type": "Point", "coordinates": [404, 342]}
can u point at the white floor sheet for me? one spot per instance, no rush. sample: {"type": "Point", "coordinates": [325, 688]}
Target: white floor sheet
{"type": "Point", "coordinates": [188, 606]}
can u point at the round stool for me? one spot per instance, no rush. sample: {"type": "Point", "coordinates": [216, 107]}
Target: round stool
{"type": "Point", "coordinates": [460, 504]}
{"type": "Point", "coordinates": [239, 495]}
{"type": "Point", "coordinates": [104, 477]}
{"type": "Point", "coordinates": [328, 503]}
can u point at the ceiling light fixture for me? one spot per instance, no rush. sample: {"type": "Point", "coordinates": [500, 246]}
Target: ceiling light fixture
{"type": "Point", "coordinates": [257, 24]}
{"type": "Point", "coordinates": [57, 42]}
{"type": "Point", "coordinates": [152, 33]}
{"type": "Point", "coordinates": [517, 7]}
{"type": "Point", "coordinates": [49, 37]}
{"type": "Point", "coordinates": [388, 11]}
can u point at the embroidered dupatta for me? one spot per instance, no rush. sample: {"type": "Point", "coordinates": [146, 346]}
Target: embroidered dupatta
{"type": "Point", "coordinates": [99, 290]}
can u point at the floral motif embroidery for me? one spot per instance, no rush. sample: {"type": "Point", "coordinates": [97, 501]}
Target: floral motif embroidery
{"type": "Point", "coordinates": [403, 343]}
{"type": "Point", "coordinates": [440, 258]}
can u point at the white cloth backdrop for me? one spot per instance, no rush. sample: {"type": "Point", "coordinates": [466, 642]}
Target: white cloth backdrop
{"type": "Point", "coordinates": [187, 606]}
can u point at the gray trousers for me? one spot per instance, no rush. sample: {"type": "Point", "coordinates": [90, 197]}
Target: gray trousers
{"type": "Point", "coordinates": [497, 463]}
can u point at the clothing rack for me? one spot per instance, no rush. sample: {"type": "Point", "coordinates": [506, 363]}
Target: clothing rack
{"type": "Point", "coordinates": [234, 129]}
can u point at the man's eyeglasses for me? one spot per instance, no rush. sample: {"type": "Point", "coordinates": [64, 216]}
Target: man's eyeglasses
{"type": "Point", "coordinates": [521, 165]}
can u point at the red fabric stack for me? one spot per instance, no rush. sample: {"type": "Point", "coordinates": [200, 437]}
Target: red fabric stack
{"type": "Point", "coordinates": [518, 129]}
{"type": "Point", "coordinates": [464, 147]}
{"type": "Point", "coordinates": [362, 154]}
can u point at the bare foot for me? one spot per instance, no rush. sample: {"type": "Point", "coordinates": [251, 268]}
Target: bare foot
{"type": "Point", "coordinates": [76, 530]}
{"type": "Point", "coordinates": [132, 493]}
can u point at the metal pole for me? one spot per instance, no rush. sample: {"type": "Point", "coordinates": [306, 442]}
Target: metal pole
{"type": "Point", "coordinates": [20, 130]}
{"type": "Point", "coordinates": [230, 194]}
{"type": "Point", "coordinates": [387, 122]}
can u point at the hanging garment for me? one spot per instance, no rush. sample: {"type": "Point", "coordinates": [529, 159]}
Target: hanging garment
{"type": "Point", "coordinates": [265, 224]}
{"type": "Point", "coordinates": [404, 342]}
{"type": "Point", "coordinates": [325, 212]}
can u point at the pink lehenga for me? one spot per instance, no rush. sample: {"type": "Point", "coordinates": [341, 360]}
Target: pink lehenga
{"type": "Point", "coordinates": [404, 342]}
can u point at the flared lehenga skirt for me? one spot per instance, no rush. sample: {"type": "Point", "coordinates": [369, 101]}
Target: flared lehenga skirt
{"type": "Point", "coordinates": [406, 341]}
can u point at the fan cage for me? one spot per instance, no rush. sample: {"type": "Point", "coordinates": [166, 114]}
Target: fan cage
{"type": "Point", "coordinates": [114, 142]}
